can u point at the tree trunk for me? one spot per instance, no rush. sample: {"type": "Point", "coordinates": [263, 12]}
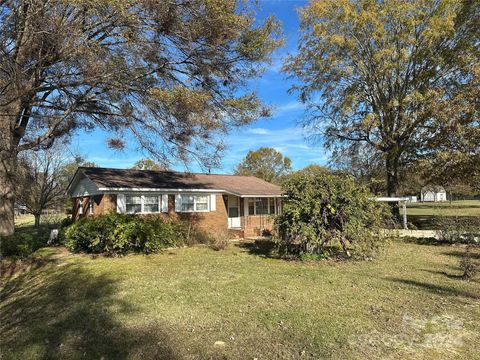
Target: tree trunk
{"type": "Point", "coordinates": [7, 198]}
{"type": "Point", "coordinates": [37, 220]}
{"type": "Point", "coordinates": [392, 185]}
{"type": "Point", "coordinates": [8, 159]}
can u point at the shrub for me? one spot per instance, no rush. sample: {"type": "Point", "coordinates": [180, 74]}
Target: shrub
{"type": "Point", "coordinates": [219, 240]}
{"type": "Point", "coordinates": [467, 264]}
{"type": "Point", "coordinates": [120, 233]}
{"type": "Point", "coordinates": [454, 229]}
{"type": "Point", "coordinates": [323, 212]}
{"type": "Point", "coordinates": [24, 242]}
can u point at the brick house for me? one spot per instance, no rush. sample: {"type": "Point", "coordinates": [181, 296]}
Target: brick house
{"type": "Point", "coordinates": [244, 205]}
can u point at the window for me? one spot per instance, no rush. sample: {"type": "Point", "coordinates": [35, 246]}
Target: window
{"type": "Point", "coordinates": [261, 206]}
{"type": "Point", "coordinates": [201, 203]}
{"type": "Point", "coordinates": [188, 203]}
{"type": "Point", "coordinates": [90, 206]}
{"type": "Point", "coordinates": [133, 204]}
{"type": "Point", "coordinates": [80, 206]}
{"type": "Point", "coordinates": [146, 203]}
{"type": "Point", "coordinates": [151, 204]}
{"type": "Point", "coordinates": [192, 203]}
{"type": "Point", "coordinates": [272, 206]}
{"type": "Point", "coordinates": [251, 206]}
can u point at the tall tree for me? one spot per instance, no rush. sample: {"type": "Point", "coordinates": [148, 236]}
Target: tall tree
{"type": "Point", "coordinates": [266, 163]}
{"type": "Point", "coordinates": [40, 180]}
{"type": "Point", "coordinates": [400, 76]}
{"type": "Point", "coordinates": [363, 164]}
{"type": "Point", "coordinates": [148, 164]}
{"type": "Point", "coordinates": [172, 74]}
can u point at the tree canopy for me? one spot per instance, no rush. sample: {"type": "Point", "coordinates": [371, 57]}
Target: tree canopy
{"type": "Point", "coordinates": [148, 164]}
{"type": "Point", "coordinates": [169, 75]}
{"type": "Point", "coordinates": [400, 76]}
{"type": "Point", "coordinates": [41, 180]}
{"type": "Point", "coordinates": [265, 163]}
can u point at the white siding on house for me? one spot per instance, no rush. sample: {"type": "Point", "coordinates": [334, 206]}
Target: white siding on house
{"type": "Point", "coordinates": [85, 187]}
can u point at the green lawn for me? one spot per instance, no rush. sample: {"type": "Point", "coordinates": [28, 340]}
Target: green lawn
{"type": "Point", "coordinates": [29, 219]}
{"type": "Point", "coordinates": [455, 208]}
{"type": "Point", "coordinates": [409, 303]}
{"type": "Point", "coordinates": [428, 216]}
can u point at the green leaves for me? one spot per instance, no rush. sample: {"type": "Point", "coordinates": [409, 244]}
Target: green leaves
{"type": "Point", "coordinates": [395, 75]}
{"type": "Point", "coordinates": [322, 212]}
{"type": "Point", "coordinates": [172, 74]}
{"type": "Point", "coordinates": [265, 163]}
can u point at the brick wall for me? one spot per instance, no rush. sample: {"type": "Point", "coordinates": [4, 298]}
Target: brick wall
{"type": "Point", "coordinates": [254, 225]}
{"type": "Point", "coordinates": [102, 204]}
{"type": "Point", "coordinates": [210, 221]}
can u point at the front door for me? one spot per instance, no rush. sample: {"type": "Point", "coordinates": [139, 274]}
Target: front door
{"type": "Point", "coordinates": [234, 212]}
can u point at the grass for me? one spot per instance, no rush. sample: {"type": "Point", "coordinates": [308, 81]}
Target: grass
{"type": "Point", "coordinates": [455, 208]}
{"type": "Point", "coordinates": [28, 220]}
{"type": "Point", "coordinates": [410, 303]}
{"type": "Point", "coordinates": [428, 215]}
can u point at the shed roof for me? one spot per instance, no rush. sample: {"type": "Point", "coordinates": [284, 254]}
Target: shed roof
{"type": "Point", "coordinates": [124, 179]}
{"type": "Point", "coordinates": [433, 188]}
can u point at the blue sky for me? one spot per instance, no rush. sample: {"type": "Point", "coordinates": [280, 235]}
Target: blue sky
{"type": "Point", "coordinates": [279, 131]}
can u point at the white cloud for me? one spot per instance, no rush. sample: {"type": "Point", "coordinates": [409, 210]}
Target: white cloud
{"type": "Point", "coordinates": [288, 107]}
{"type": "Point", "coordinates": [259, 131]}
{"type": "Point", "coordinates": [290, 141]}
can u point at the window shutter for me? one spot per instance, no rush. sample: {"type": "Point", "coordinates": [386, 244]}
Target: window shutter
{"type": "Point", "coordinates": [213, 202]}
{"type": "Point", "coordinates": [164, 202]}
{"type": "Point", "coordinates": [178, 203]}
{"type": "Point", "coordinates": [121, 208]}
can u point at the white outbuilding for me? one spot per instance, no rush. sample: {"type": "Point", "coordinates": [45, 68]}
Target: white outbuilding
{"type": "Point", "coordinates": [433, 193]}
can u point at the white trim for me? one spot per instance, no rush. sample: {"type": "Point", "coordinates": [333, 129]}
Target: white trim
{"type": "Point", "coordinates": [260, 196]}
{"type": "Point", "coordinates": [194, 204]}
{"type": "Point", "coordinates": [234, 222]}
{"type": "Point", "coordinates": [391, 199]}
{"type": "Point", "coordinates": [164, 203]}
{"type": "Point", "coordinates": [163, 190]}
{"type": "Point", "coordinates": [121, 204]}
{"type": "Point", "coordinates": [246, 206]}
{"type": "Point", "coordinates": [213, 202]}
{"type": "Point", "coordinates": [160, 190]}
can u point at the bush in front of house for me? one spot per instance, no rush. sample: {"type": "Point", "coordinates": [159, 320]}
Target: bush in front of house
{"type": "Point", "coordinates": [120, 233]}
{"type": "Point", "coordinates": [24, 242]}
{"type": "Point", "coordinates": [324, 213]}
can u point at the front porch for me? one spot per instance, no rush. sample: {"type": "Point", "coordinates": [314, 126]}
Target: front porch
{"type": "Point", "coordinates": [252, 216]}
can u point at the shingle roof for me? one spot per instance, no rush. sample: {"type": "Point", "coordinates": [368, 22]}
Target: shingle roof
{"type": "Point", "coordinates": [150, 179]}
{"type": "Point", "coordinates": [433, 188]}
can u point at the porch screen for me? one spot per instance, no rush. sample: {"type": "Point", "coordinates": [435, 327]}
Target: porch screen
{"type": "Point", "coordinates": [261, 206]}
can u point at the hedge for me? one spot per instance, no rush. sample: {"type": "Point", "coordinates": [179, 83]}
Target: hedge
{"type": "Point", "coordinates": [120, 233]}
